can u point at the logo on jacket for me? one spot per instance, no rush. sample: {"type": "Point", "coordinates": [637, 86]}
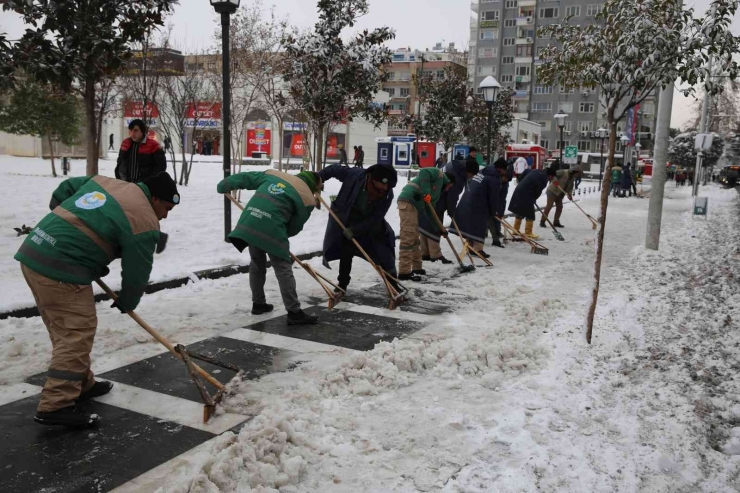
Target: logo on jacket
{"type": "Point", "coordinates": [276, 189]}
{"type": "Point", "coordinates": [91, 200]}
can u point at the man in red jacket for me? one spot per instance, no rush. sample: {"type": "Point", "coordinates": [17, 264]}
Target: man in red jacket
{"type": "Point", "coordinates": [139, 157]}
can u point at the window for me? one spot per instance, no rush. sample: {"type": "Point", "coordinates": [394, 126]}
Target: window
{"type": "Point", "coordinates": [545, 125]}
{"type": "Point", "coordinates": [509, 22]}
{"type": "Point", "coordinates": [524, 50]}
{"type": "Point", "coordinates": [523, 70]}
{"type": "Point", "coordinates": [391, 91]}
{"type": "Point", "coordinates": [489, 34]}
{"type": "Point", "coordinates": [567, 90]}
{"type": "Point", "coordinates": [545, 144]}
{"type": "Point", "coordinates": [543, 89]}
{"type": "Point", "coordinates": [566, 143]}
{"type": "Point", "coordinates": [549, 13]}
{"type": "Point", "coordinates": [647, 108]}
{"type": "Point", "coordinates": [507, 78]}
{"type": "Point", "coordinates": [507, 60]}
{"type": "Point", "coordinates": [541, 107]}
{"type": "Point", "coordinates": [568, 126]}
{"type": "Point", "coordinates": [585, 126]}
{"type": "Point", "coordinates": [491, 15]}
{"type": "Point", "coordinates": [404, 91]}
{"type": "Point", "coordinates": [584, 145]}
{"type": "Point", "coordinates": [592, 10]}
{"type": "Point", "coordinates": [509, 41]}
{"type": "Point", "coordinates": [398, 106]}
{"type": "Point", "coordinates": [521, 107]}
{"type": "Point", "coordinates": [586, 108]}
{"type": "Point", "coordinates": [489, 70]}
{"type": "Point", "coordinates": [573, 11]}
{"type": "Point", "coordinates": [511, 4]}
{"type": "Point", "coordinates": [404, 76]}
{"type": "Point", "coordinates": [566, 107]}
{"type": "Point", "coordinates": [440, 74]}
{"type": "Point", "coordinates": [487, 52]}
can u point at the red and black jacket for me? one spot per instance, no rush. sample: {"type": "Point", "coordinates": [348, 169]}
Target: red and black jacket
{"type": "Point", "coordinates": [138, 161]}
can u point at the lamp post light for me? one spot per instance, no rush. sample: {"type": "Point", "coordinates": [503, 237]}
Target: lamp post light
{"type": "Point", "coordinates": [490, 87]}
{"type": "Point", "coordinates": [625, 140]}
{"type": "Point", "coordinates": [560, 117]}
{"type": "Point", "coordinates": [226, 8]}
{"type": "Point", "coordinates": [601, 134]}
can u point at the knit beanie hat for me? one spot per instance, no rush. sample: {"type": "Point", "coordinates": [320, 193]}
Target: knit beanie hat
{"type": "Point", "coordinates": [383, 174]}
{"type": "Point", "coordinates": [311, 179]}
{"type": "Point", "coordinates": [451, 177]}
{"type": "Point", "coordinates": [501, 163]}
{"type": "Point", "coordinates": [471, 167]}
{"type": "Point", "coordinates": [163, 187]}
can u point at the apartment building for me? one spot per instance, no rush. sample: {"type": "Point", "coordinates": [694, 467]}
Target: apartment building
{"type": "Point", "coordinates": [402, 89]}
{"type": "Point", "coordinates": [504, 43]}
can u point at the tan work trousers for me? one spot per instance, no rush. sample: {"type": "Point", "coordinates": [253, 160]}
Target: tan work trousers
{"type": "Point", "coordinates": [430, 248]}
{"type": "Point", "coordinates": [68, 311]}
{"type": "Point", "coordinates": [557, 201]}
{"type": "Point", "coordinates": [409, 257]}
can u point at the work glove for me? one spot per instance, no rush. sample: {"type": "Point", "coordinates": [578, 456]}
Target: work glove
{"type": "Point", "coordinates": [115, 305]}
{"type": "Point", "coordinates": [348, 234]}
{"type": "Point", "coordinates": [428, 199]}
{"type": "Point", "coordinates": [570, 197]}
{"type": "Point", "coordinates": [162, 242]}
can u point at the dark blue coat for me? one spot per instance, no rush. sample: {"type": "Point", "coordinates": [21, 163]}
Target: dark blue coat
{"type": "Point", "coordinates": [527, 192]}
{"type": "Point", "coordinates": [457, 168]}
{"type": "Point", "coordinates": [626, 178]}
{"type": "Point", "coordinates": [374, 234]}
{"type": "Point", "coordinates": [480, 202]}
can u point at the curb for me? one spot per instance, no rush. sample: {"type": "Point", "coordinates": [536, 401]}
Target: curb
{"type": "Point", "coordinates": [210, 274]}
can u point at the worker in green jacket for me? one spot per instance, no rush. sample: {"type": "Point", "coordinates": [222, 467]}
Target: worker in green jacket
{"type": "Point", "coordinates": [277, 211]}
{"type": "Point", "coordinates": [422, 190]}
{"type": "Point", "coordinates": [94, 220]}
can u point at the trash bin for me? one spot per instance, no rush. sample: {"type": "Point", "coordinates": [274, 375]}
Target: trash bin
{"type": "Point", "coordinates": [258, 155]}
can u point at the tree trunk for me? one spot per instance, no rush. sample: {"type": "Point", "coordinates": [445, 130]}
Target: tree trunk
{"type": "Point", "coordinates": [92, 127]}
{"type": "Point", "coordinates": [51, 152]}
{"type": "Point", "coordinates": [319, 147]}
{"type": "Point", "coordinates": [602, 224]}
{"type": "Point", "coordinates": [184, 175]}
{"type": "Point", "coordinates": [280, 144]}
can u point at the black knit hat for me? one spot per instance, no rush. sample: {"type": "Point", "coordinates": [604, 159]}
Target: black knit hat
{"type": "Point", "coordinates": [383, 174]}
{"type": "Point", "coordinates": [472, 167]}
{"type": "Point", "coordinates": [450, 177]}
{"type": "Point", "coordinates": [500, 163]}
{"type": "Point", "coordinates": [163, 187]}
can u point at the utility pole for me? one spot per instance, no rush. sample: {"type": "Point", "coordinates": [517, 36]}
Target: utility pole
{"type": "Point", "coordinates": [660, 173]}
{"type": "Point", "coordinates": [702, 129]}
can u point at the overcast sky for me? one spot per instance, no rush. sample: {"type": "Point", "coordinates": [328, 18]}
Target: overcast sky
{"type": "Point", "coordinates": [418, 24]}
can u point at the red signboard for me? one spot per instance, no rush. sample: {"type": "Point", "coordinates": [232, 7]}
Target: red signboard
{"type": "Point", "coordinates": [259, 138]}
{"type": "Point", "coordinates": [331, 147]}
{"type": "Point", "coordinates": [204, 110]}
{"type": "Point", "coordinates": [135, 109]}
{"type": "Point", "coordinates": [297, 145]}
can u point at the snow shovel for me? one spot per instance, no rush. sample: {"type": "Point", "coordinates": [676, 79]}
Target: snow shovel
{"type": "Point", "coordinates": [536, 248]}
{"type": "Point", "coordinates": [463, 268]}
{"type": "Point", "coordinates": [334, 297]}
{"type": "Point", "coordinates": [554, 231]}
{"type": "Point", "coordinates": [594, 223]}
{"type": "Point", "coordinates": [395, 297]}
{"type": "Point", "coordinates": [179, 351]}
{"type": "Point", "coordinates": [467, 249]}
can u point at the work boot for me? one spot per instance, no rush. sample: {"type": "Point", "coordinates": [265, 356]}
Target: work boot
{"type": "Point", "coordinates": [518, 224]}
{"type": "Point", "coordinates": [419, 272]}
{"type": "Point", "coordinates": [260, 308]}
{"type": "Point", "coordinates": [528, 231]}
{"type": "Point", "coordinates": [98, 389]}
{"type": "Point", "coordinates": [483, 254]}
{"type": "Point", "coordinates": [443, 260]}
{"type": "Point", "coordinates": [71, 416]}
{"type": "Point", "coordinates": [301, 318]}
{"type": "Point", "coordinates": [497, 243]}
{"type": "Point", "coordinates": [543, 224]}
{"type": "Point", "coordinates": [409, 277]}
{"type": "Point", "coordinates": [427, 258]}
{"type": "Point", "coordinates": [558, 225]}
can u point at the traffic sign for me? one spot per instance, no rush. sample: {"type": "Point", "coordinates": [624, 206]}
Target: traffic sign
{"type": "Point", "coordinates": [570, 156]}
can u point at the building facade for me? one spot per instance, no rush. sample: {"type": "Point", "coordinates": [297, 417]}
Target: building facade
{"type": "Point", "coordinates": [504, 43]}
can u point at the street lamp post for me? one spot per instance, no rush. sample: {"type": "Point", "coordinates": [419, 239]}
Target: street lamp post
{"type": "Point", "coordinates": [601, 134]}
{"type": "Point", "coordinates": [490, 87]}
{"type": "Point", "coordinates": [625, 140]}
{"type": "Point", "coordinates": [560, 117]}
{"type": "Point", "coordinates": [638, 146]}
{"type": "Point", "coordinates": [226, 8]}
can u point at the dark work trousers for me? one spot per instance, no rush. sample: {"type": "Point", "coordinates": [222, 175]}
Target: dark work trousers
{"type": "Point", "coordinates": [347, 251]}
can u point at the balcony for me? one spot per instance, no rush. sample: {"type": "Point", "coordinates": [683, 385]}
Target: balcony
{"type": "Point", "coordinates": [527, 3]}
{"type": "Point", "coordinates": [523, 60]}
{"type": "Point", "coordinates": [525, 21]}
{"type": "Point", "coordinates": [524, 41]}
{"type": "Point", "coordinates": [523, 79]}
{"type": "Point", "coordinates": [489, 24]}
{"type": "Point", "coordinates": [475, 6]}
{"type": "Point", "coordinates": [521, 94]}
{"type": "Point", "coordinates": [521, 116]}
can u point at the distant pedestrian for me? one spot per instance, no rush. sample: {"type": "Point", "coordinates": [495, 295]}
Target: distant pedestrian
{"type": "Point", "coordinates": [110, 143]}
{"type": "Point", "coordinates": [616, 180]}
{"type": "Point", "coordinates": [356, 156]}
{"type": "Point", "coordinates": [167, 144]}
{"type": "Point", "coordinates": [342, 155]}
{"type": "Point", "coordinates": [440, 163]}
{"type": "Point", "coordinates": [360, 157]}
{"type": "Point", "coordinates": [633, 176]}
{"type": "Point", "coordinates": [626, 182]}
{"type": "Point", "coordinates": [139, 157]}
{"type": "Point", "coordinates": [520, 166]}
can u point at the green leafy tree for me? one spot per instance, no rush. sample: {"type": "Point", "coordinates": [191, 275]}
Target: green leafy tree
{"type": "Point", "coordinates": [474, 122]}
{"type": "Point", "coordinates": [634, 48]}
{"type": "Point", "coordinates": [683, 153]}
{"type": "Point", "coordinates": [39, 110]}
{"type": "Point", "coordinates": [79, 44]}
{"type": "Point", "coordinates": [331, 79]}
